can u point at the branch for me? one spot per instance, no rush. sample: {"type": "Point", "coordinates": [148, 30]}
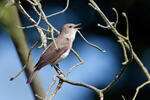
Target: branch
{"type": "Point", "coordinates": [27, 61]}
{"type": "Point", "coordinates": [80, 84]}
{"type": "Point", "coordinates": [31, 20]}
{"type": "Point", "coordinates": [111, 84]}
{"type": "Point", "coordinates": [60, 11]}
{"type": "Point", "coordinates": [95, 46]}
{"type": "Point", "coordinates": [19, 41]}
{"type": "Point", "coordinates": [125, 43]}
{"type": "Point", "coordinates": [139, 87]}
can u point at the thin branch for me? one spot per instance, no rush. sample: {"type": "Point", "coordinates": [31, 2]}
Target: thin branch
{"type": "Point", "coordinates": [45, 18]}
{"type": "Point", "coordinates": [108, 23]}
{"type": "Point", "coordinates": [50, 86]}
{"type": "Point", "coordinates": [60, 81]}
{"type": "Point", "coordinates": [60, 11]}
{"type": "Point", "coordinates": [52, 35]}
{"type": "Point", "coordinates": [32, 3]}
{"type": "Point", "coordinates": [102, 26]}
{"type": "Point", "coordinates": [46, 21]}
{"type": "Point", "coordinates": [79, 58]}
{"type": "Point", "coordinates": [109, 86]}
{"type": "Point", "coordinates": [56, 90]}
{"type": "Point", "coordinates": [125, 44]}
{"type": "Point", "coordinates": [26, 62]}
{"type": "Point", "coordinates": [28, 17]}
{"type": "Point", "coordinates": [141, 65]}
{"type": "Point", "coordinates": [39, 97]}
{"type": "Point", "coordinates": [95, 46]}
{"type": "Point", "coordinates": [139, 87]}
{"type": "Point", "coordinates": [124, 52]}
{"type": "Point", "coordinates": [25, 27]}
{"type": "Point", "coordinates": [127, 25]}
{"type": "Point", "coordinates": [35, 9]}
{"type": "Point", "coordinates": [117, 17]}
{"type": "Point", "coordinates": [80, 84]}
{"type": "Point", "coordinates": [123, 97]}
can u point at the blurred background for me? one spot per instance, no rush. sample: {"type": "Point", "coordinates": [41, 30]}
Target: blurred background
{"type": "Point", "coordinates": [99, 69]}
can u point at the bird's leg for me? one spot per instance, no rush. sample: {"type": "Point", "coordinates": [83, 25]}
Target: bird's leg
{"type": "Point", "coordinates": [58, 69]}
{"type": "Point", "coordinates": [81, 62]}
{"type": "Point", "coordinates": [12, 78]}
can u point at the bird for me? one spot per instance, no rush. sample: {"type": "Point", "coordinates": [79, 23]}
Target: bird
{"type": "Point", "coordinates": [53, 56]}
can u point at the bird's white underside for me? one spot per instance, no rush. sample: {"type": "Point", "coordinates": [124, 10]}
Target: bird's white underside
{"type": "Point", "coordinates": [62, 57]}
{"type": "Point", "coordinates": [70, 36]}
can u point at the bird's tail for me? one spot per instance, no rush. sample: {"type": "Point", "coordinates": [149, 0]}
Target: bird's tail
{"type": "Point", "coordinates": [32, 75]}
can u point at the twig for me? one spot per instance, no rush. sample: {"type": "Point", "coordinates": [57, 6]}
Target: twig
{"type": "Point", "coordinates": [46, 21]}
{"type": "Point", "coordinates": [127, 25]}
{"type": "Point", "coordinates": [117, 17]}
{"type": "Point", "coordinates": [124, 52]}
{"type": "Point", "coordinates": [91, 43]}
{"type": "Point", "coordinates": [139, 87]}
{"type": "Point", "coordinates": [60, 11]}
{"type": "Point", "coordinates": [52, 35]}
{"type": "Point", "coordinates": [80, 84]}
{"type": "Point", "coordinates": [34, 25]}
{"type": "Point", "coordinates": [26, 62]}
{"type": "Point", "coordinates": [28, 17]}
{"type": "Point", "coordinates": [123, 97]}
{"type": "Point", "coordinates": [79, 58]}
{"type": "Point", "coordinates": [39, 97]}
{"type": "Point", "coordinates": [141, 65]}
{"type": "Point", "coordinates": [35, 9]}
{"type": "Point", "coordinates": [56, 90]}
{"type": "Point", "coordinates": [109, 86]}
{"type": "Point", "coordinates": [125, 43]}
{"type": "Point", "coordinates": [109, 24]}
{"type": "Point", "coordinates": [33, 3]}
{"type": "Point", "coordinates": [53, 82]}
{"type": "Point", "coordinates": [50, 86]}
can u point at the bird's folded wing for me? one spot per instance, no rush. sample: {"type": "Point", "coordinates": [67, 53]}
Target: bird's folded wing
{"type": "Point", "coordinates": [50, 55]}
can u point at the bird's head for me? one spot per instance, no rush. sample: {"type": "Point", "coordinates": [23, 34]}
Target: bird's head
{"type": "Point", "coordinates": [69, 30]}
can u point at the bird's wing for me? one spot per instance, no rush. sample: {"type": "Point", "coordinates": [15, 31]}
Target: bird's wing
{"type": "Point", "coordinates": [50, 55]}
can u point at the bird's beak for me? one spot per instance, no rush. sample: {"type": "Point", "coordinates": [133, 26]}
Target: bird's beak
{"type": "Point", "coordinates": [76, 26]}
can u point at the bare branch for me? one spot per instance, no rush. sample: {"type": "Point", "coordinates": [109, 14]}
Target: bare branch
{"type": "Point", "coordinates": [117, 17]}
{"type": "Point", "coordinates": [56, 90]}
{"type": "Point", "coordinates": [109, 86]}
{"type": "Point", "coordinates": [80, 84]}
{"type": "Point", "coordinates": [31, 25]}
{"type": "Point", "coordinates": [50, 86]}
{"type": "Point", "coordinates": [32, 3]}
{"type": "Point", "coordinates": [125, 43]}
{"type": "Point", "coordinates": [60, 11]}
{"type": "Point", "coordinates": [141, 65]}
{"type": "Point", "coordinates": [127, 23]}
{"type": "Point", "coordinates": [26, 62]}
{"type": "Point", "coordinates": [124, 52]}
{"type": "Point", "coordinates": [28, 17]}
{"type": "Point", "coordinates": [95, 46]}
{"type": "Point", "coordinates": [81, 61]}
{"type": "Point", "coordinates": [123, 97]}
{"type": "Point", "coordinates": [139, 87]}
{"type": "Point", "coordinates": [108, 23]}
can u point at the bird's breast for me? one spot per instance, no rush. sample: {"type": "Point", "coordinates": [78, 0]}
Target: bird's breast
{"type": "Point", "coordinates": [63, 56]}
{"type": "Point", "coordinates": [70, 36]}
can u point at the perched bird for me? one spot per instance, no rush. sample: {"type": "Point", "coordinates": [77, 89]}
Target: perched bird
{"type": "Point", "coordinates": [53, 56]}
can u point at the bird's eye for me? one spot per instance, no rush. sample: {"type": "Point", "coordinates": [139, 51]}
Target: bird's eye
{"type": "Point", "coordinates": [70, 26]}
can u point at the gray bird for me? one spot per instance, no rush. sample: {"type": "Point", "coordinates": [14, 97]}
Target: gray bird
{"type": "Point", "coordinates": [52, 56]}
